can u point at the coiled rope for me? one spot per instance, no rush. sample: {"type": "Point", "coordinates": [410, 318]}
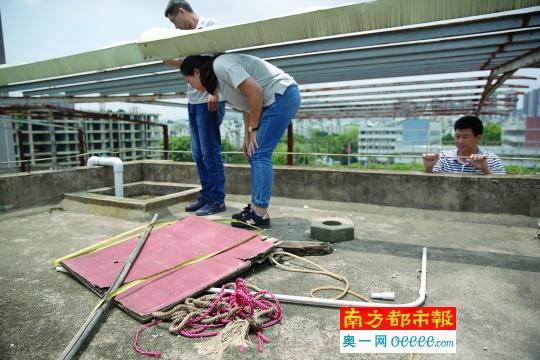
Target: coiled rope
{"type": "Point", "coordinates": [235, 313]}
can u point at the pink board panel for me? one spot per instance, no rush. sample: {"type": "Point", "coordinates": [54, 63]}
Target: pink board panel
{"type": "Point", "coordinates": [167, 247]}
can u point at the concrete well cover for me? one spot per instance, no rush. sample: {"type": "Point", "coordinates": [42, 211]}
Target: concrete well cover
{"type": "Point", "coordinates": [332, 229]}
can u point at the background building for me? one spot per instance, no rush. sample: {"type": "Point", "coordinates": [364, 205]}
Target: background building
{"type": "Point", "coordinates": [52, 137]}
{"type": "Point", "coordinates": [420, 135]}
{"type": "Point", "coordinates": [521, 136]}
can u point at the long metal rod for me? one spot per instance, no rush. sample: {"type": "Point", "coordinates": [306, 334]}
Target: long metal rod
{"type": "Point", "coordinates": [304, 300]}
{"type": "Point", "coordinates": [71, 350]}
{"type": "Point", "coordinates": [491, 88]}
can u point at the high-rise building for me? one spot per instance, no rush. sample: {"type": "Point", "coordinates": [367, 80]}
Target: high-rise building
{"type": "Point", "coordinates": [7, 154]}
{"type": "Point", "coordinates": [531, 103]}
{"type": "Point", "coordinates": [411, 135]}
{"type": "Point", "coordinates": [418, 133]}
{"type": "Point", "coordinates": [532, 132]}
{"type": "Point", "coordinates": [522, 134]}
{"type": "Point", "coordinates": [379, 139]}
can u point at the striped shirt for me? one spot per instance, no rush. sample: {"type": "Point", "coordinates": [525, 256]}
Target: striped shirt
{"type": "Point", "coordinates": [448, 162]}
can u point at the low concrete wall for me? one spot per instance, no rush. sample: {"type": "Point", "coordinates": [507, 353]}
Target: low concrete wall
{"type": "Point", "coordinates": [454, 192]}
{"type": "Point", "coordinates": [237, 176]}
{"type": "Point", "coordinates": [483, 194]}
{"type": "Point", "coordinates": [25, 190]}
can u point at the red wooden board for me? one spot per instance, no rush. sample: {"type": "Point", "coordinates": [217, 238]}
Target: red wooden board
{"type": "Point", "coordinates": [164, 248]}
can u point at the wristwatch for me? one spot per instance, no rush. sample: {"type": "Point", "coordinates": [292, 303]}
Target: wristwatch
{"type": "Point", "coordinates": [250, 129]}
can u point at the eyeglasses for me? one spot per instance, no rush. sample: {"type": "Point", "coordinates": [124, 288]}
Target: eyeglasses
{"type": "Point", "coordinates": [174, 16]}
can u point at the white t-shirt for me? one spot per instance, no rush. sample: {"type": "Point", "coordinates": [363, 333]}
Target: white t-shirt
{"type": "Point", "coordinates": [195, 96]}
{"type": "Point", "coordinates": [232, 69]}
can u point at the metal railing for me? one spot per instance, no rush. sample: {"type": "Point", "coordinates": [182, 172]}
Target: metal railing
{"type": "Point", "coordinates": [515, 165]}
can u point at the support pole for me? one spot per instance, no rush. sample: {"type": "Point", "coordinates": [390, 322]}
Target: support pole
{"type": "Point", "coordinates": [505, 71]}
{"type": "Point", "coordinates": [71, 350]}
{"type": "Point", "coordinates": [21, 150]}
{"type": "Point", "coordinates": [82, 160]}
{"type": "Point", "coordinates": [165, 142]}
{"type": "Point", "coordinates": [490, 87]}
{"type": "Point", "coordinates": [290, 144]}
{"type": "Point", "coordinates": [2, 52]}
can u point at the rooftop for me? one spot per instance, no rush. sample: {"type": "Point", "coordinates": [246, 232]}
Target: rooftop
{"type": "Point", "coordinates": [487, 265]}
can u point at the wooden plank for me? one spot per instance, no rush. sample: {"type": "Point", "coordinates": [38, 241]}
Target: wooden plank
{"type": "Point", "coordinates": [166, 247]}
{"type": "Point", "coordinates": [305, 248]}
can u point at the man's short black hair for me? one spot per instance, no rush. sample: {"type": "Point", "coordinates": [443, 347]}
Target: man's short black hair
{"type": "Point", "coordinates": [470, 122]}
{"type": "Point", "coordinates": [174, 5]}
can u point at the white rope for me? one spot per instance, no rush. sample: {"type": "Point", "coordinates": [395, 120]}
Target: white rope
{"type": "Point", "coordinates": [316, 269]}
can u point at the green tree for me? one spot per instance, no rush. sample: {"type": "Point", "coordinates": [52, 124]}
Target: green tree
{"type": "Point", "coordinates": [231, 158]}
{"type": "Point", "coordinates": [280, 159]}
{"type": "Point", "coordinates": [183, 143]}
{"type": "Point", "coordinates": [492, 134]}
{"type": "Point", "coordinates": [180, 143]}
{"type": "Point", "coordinates": [448, 139]}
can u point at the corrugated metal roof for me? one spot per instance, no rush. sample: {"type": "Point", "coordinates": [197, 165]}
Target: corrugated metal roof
{"type": "Point", "coordinates": [370, 40]}
{"type": "Point", "coordinates": [346, 19]}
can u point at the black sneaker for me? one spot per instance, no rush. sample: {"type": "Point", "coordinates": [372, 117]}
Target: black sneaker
{"type": "Point", "coordinates": [196, 205]}
{"type": "Point", "coordinates": [252, 220]}
{"type": "Point", "coordinates": [242, 213]}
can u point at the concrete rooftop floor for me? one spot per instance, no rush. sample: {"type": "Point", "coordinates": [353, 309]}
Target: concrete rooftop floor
{"type": "Point", "coordinates": [488, 266]}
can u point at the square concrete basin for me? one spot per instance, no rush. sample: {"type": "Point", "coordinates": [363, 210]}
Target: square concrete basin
{"type": "Point", "coordinates": [144, 195]}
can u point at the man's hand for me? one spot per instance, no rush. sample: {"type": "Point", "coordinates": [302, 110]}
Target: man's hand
{"type": "Point", "coordinates": [430, 159]}
{"type": "Point", "coordinates": [213, 102]}
{"type": "Point", "coordinates": [176, 63]}
{"type": "Point", "coordinates": [479, 161]}
{"type": "Point", "coordinates": [245, 147]}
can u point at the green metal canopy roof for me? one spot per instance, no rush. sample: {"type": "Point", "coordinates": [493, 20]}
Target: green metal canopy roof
{"type": "Point", "coordinates": [369, 40]}
{"type": "Point", "coordinates": [346, 19]}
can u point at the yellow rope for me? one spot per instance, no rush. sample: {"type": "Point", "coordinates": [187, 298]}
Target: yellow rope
{"type": "Point", "coordinates": [111, 241]}
{"type": "Point", "coordinates": [129, 235]}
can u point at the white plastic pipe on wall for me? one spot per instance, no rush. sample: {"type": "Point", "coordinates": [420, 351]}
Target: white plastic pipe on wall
{"type": "Point", "coordinates": [303, 300]}
{"type": "Point", "coordinates": [118, 169]}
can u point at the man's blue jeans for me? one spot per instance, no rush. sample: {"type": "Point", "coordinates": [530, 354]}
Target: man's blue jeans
{"type": "Point", "coordinates": [206, 149]}
{"type": "Point", "coordinates": [273, 123]}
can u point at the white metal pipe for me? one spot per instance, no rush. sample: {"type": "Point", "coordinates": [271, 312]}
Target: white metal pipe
{"type": "Point", "coordinates": [118, 169]}
{"type": "Point", "coordinates": [304, 300]}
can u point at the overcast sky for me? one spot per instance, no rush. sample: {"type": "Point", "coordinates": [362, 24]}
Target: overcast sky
{"type": "Point", "coordinates": [43, 29]}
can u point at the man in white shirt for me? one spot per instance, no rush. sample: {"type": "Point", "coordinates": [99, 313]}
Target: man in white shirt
{"type": "Point", "coordinates": [205, 116]}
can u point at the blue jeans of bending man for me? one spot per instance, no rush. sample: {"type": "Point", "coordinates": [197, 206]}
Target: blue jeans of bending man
{"type": "Point", "coordinates": [272, 125]}
{"type": "Point", "coordinates": [206, 150]}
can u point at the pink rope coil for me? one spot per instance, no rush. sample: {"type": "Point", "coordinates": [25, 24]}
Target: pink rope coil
{"type": "Point", "coordinates": [226, 307]}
